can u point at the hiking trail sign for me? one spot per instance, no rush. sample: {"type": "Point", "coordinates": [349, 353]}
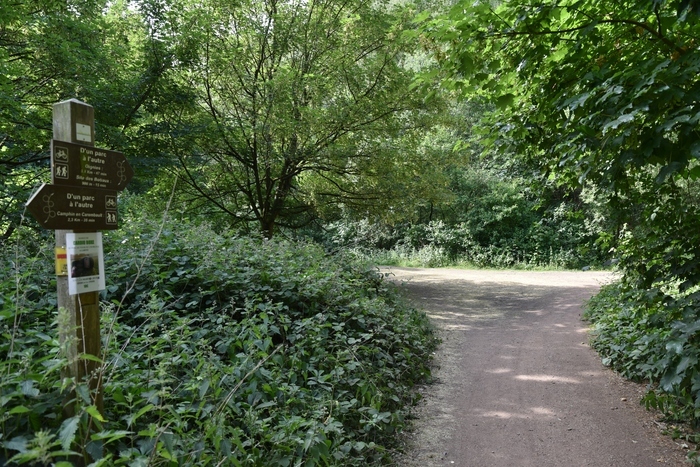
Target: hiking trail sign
{"type": "Point", "coordinates": [86, 166]}
{"type": "Point", "coordinates": [83, 192]}
{"type": "Point", "coordinates": [74, 208]}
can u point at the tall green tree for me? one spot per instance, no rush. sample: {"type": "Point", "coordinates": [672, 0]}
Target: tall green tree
{"type": "Point", "coordinates": [105, 53]}
{"type": "Point", "coordinates": [606, 92]}
{"type": "Point", "coordinates": [300, 102]}
{"type": "Point", "coordinates": [38, 64]}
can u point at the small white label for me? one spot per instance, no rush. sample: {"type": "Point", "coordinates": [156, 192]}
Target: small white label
{"type": "Point", "coordinates": [83, 133]}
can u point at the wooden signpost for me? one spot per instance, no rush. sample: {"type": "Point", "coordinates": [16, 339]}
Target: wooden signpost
{"type": "Point", "coordinates": [81, 198]}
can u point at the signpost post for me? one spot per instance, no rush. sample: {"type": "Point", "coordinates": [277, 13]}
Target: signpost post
{"type": "Point", "coordinates": [82, 198]}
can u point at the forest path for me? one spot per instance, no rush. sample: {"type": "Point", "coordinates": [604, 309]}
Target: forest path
{"type": "Point", "coordinates": [516, 381]}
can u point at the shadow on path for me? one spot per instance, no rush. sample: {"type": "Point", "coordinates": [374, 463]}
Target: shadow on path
{"type": "Point", "coordinates": [517, 384]}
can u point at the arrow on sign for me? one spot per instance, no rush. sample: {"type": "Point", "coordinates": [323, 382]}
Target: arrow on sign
{"type": "Point", "coordinates": [74, 208]}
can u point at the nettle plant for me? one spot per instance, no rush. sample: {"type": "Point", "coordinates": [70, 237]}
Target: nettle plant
{"type": "Point", "coordinates": [652, 335]}
{"type": "Point", "coordinates": [240, 351]}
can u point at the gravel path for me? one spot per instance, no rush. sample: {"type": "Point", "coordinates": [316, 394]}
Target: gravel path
{"type": "Point", "coordinates": [517, 383]}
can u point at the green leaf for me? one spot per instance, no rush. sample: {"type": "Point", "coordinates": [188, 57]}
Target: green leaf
{"type": "Point", "coordinates": [138, 414]}
{"type": "Point", "coordinates": [90, 357]}
{"type": "Point", "coordinates": [626, 118]}
{"type": "Point", "coordinates": [670, 379]}
{"type": "Point", "coordinates": [559, 54]}
{"type": "Point", "coordinates": [110, 435]}
{"type": "Point", "coordinates": [694, 173]}
{"type": "Point", "coordinates": [94, 413]}
{"type": "Point", "coordinates": [667, 171]}
{"type": "Point", "coordinates": [164, 453]}
{"type": "Point", "coordinates": [686, 362]}
{"type": "Point", "coordinates": [28, 388]}
{"type": "Point", "coordinates": [84, 392]}
{"type": "Point", "coordinates": [19, 409]}
{"type": "Point", "coordinates": [422, 16]}
{"type": "Point", "coordinates": [556, 13]}
{"type": "Point", "coordinates": [466, 64]}
{"type": "Point", "coordinates": [203, 388]}
{"type": "Point", "coordinates": [675, 346]}
{"type": "Point", "coordinates": [505, 100]}
{"type": "Point", "coordinates": [66, 434]}
{"type": "Point", "coordinates": [18, 443]}
{"type": "Point", "coordinates": [695, 150]}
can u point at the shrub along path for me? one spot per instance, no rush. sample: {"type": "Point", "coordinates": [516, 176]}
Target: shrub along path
{"type": "Point", "coordinates": [517, 383]}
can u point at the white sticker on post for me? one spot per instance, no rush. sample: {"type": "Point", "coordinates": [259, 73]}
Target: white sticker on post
{"type": "Point", "coordinates": [83, 132]}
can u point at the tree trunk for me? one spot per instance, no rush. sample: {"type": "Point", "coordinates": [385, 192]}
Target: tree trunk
{"type": "Point", "coordinates": [267, 226]}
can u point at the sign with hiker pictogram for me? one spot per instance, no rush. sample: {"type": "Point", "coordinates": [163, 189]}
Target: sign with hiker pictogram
{"type": "Point", "coordinates": [86, 166]}
{"type": "Point", "coordinates": [74, 208]}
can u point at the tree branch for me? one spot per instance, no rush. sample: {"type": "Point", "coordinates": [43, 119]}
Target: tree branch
{"type": "Point", "coordinates": [666, 41]}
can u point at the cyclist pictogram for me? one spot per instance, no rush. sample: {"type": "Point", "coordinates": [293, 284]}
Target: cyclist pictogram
{"type": "Point", "coordinates": [60, 153]}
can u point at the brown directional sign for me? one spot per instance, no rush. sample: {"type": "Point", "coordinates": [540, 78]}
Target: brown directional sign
{"type": "Point", "coordinates": [74, 208]}
{"type": "Point", "coordinates": [86, 166]}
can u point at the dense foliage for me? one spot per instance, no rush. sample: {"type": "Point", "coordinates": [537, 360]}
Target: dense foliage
{"type": "Point", "coordinates": [306, 104]}
{"type": "Point", "coordinates": [267, 111]}
{"type": "Point", "coordinates": [217, 348]}
{"type": "Point", "coordinates": [603, 92]}
{"type": "Point", "coordinates": [570, 139]}
{"type": "Point", "coordinates": [651, 335]}
{"type": "Point", "coordinates": [489, 220]}
{"type": "Point", "coordinates": [100, 52]}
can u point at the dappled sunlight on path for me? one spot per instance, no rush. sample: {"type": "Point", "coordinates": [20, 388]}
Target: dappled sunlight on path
{"type": "Point", "coordinates": [517, 383]}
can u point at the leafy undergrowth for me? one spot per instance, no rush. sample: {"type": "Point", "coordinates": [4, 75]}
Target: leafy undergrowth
{"type": "Point", "coordinates": [223, 351]}
{"type": "Point", "coordinates": [431, 257]}
{"type": "Point", "coordinates": [654, 336]}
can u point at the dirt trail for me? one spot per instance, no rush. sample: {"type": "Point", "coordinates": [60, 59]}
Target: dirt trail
{"type": "Point", "coordinates": [517, 383]}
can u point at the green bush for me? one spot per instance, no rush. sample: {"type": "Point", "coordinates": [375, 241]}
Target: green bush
{"type": "Point", "coordinates": [218, 349]}
{"type": "Point", "coordinates": [652, 335]}
{"type": "Point", "coordinates": [490, 221]}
